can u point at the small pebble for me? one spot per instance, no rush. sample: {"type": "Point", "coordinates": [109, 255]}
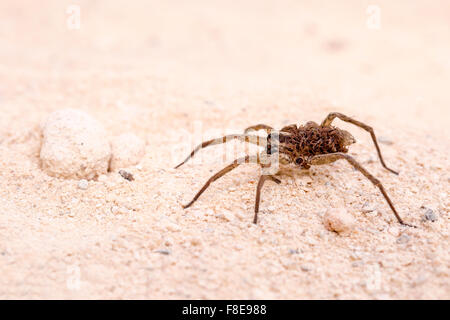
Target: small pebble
{"type": "Point", "coordinates": [163, 251]}
{"type": "Point", "coordinates": [305, 268]}
{"type": "Point", "coordinates": [227, 215]}
{"type": "Point", "coordinates": [367, 208]}
{"type": "Point", "coordinates": [127, 150]}
{"type": "Point", "coordinates": [126, 175]}
{"type": "Point", "coordinates": [74, 145]}
{"type": "Point", "coordinates": [338, 220]}
{"type": "Point", "coordinates": [385, 140]}
{"type": "Point", "coordinates": [168, 242]}
{"type": "Point", "coordinates": [171, 226]}
{"type": "Point", "coordinates": [119, 210]}
{"type": "Point", "coordinates": [83, 184]}
{"type": "Point", "coordinates": [404, 238]}
{"type": "Point", "coordinates": [195, 241]}
{"type": "Point", "coordinates": [420, 280]}
{"type": "Point", "coordinates": [429, 215]}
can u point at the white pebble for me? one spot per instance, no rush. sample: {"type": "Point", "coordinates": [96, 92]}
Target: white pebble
{"type": "Point", "coordinates": [338, 220]}
{"type": "Point", "coordinates": [226, 215]}
{"type": "Point", "coordinates": [394, 231]}
{"type": "Point", "coordinates": [75, 145]}
{"type": "Point", "coordinates": [127, 150]}
{"type": "Point", "coordinates": [120, 210]}
{"type": "Point", "coordinates": [368, 208]}
{"type": "Point", "coordinates": [83, 184]}
{"type": "Point", "coordinates": [114, 209]}
{"type": "Point", "coordinates": [171, 226]}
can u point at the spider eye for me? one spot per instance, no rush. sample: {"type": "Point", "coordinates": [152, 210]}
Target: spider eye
{"type": "Point", "coordinates": [299, 161]}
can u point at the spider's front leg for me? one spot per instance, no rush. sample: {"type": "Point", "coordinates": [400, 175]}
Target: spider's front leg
{"type": "Point", "coordinates": [241, 137]}
{"type": "Point", "coordinates": [343, 117]}
{"type": "Point", "coordinates": [331, 157]}
{"type": "Point", "coordinates": [261, 181]}
{"type": "Point", "coordinates": [233, 165]}
{"type": "Point", "coordinates": [257, 127]}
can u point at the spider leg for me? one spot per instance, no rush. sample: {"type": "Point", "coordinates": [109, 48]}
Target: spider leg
{"type": "Point", "coordinates": [257, 127]}
{"type": "Point", "coordinates": [260, 141]}
{"type": "Point", "coordinates": [331, 157]}
{"type": "Point", "coordinates": [233, 165]}
{"type": "Point", "coordinates": [333, 115]}
{"type": "Point", "coordinates": [261, 181]}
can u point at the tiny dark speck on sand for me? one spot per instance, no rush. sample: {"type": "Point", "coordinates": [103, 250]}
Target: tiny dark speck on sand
{"type": "Point", "coordinates": [126, 175]}
{"type": "Point", "coordinates": [162, 251]}
{"type": "Point", "coordinates": [305, 268]}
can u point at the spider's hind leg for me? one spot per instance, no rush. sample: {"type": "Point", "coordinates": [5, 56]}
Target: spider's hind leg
{"type": "Point", "coordinates": [331, 157]}
{"type": "Point", "coordinates": [333, 115]}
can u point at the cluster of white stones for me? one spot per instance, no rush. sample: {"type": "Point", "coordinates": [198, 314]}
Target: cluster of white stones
{"type": "Point", "coordinates": [76, 146]}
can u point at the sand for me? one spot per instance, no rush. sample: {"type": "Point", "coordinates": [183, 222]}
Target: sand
{"type": "Point", "coordinates": [177, 72]}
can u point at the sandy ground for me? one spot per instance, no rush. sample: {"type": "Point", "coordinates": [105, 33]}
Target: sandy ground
{"type": "Point", "coordinates": [165, 71]}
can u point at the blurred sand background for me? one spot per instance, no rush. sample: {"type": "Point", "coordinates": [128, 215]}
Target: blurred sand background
{"type": "Point", "coordinates": [157, 67]}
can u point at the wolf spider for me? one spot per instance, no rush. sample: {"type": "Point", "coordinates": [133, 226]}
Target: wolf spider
{"type": "Point", "coordinates": [302, 146]}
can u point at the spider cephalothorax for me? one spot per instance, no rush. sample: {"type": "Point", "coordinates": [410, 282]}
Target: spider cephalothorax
{"type": "Point", "coordinates": [303, 146]}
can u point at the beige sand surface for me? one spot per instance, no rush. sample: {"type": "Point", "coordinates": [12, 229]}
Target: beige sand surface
{"type": "Point", "coordinates": [160, 69]}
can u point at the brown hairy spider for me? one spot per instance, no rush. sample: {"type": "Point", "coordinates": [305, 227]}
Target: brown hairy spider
{"type": "Point", "coordinates": [302, 146]}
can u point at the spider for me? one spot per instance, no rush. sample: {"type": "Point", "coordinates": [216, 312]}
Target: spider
{"type": "Point", "coordinates": [302, 146]}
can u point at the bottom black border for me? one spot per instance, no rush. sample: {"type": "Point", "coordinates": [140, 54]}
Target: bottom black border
{"type": "Point", "coordinates": [223, 309]}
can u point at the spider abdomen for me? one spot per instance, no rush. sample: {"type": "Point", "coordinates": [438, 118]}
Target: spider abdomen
{"type": "Point", "coordinates": [303, 142]}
